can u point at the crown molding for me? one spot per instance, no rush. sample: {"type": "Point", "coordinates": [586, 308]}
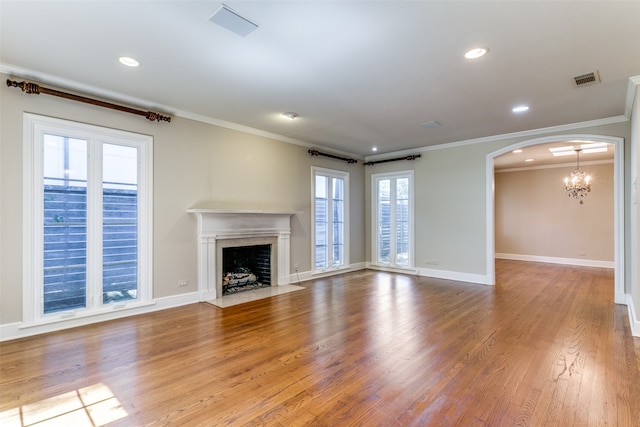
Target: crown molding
{"type": "Point", "coordinates": [634, 82]}
{"type": "Point", "coordinates": [23, 73]}
{"type": "Point", "coordinates": [521, 134]}
{"type": "Point", "coordinates": [554, 166]}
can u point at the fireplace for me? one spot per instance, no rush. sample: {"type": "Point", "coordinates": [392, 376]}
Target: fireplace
{"type": "Point", "coordinates": [225, 235]}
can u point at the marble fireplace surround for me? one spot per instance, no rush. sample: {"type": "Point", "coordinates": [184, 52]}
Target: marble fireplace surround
{"type": "Point", "coordinates": [219, 228]}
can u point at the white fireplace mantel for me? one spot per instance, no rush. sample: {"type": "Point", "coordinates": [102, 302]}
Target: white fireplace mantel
{"type": "Point", "coordinates": [215, 225]}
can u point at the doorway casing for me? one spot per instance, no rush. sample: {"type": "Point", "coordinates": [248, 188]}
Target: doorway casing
{"type": "Point", "coordinates": [618, 201]}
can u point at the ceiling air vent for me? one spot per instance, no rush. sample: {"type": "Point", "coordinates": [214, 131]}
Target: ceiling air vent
{"type": "Point", "coordinates": [587, 79]}
{"type": "Point", "coordinates": [232, 21]}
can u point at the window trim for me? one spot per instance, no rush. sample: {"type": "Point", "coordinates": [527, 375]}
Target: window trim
{"type": "Point", "coordinates": [315, 170]}
{"type": "Point", "coordinates": [32, 277]}
{"type": "Point", "coordinates": [374, 219]}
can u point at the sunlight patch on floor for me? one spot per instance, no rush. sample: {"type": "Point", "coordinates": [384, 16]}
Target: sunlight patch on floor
{"type": "Point", "coordinates": [90, 406]}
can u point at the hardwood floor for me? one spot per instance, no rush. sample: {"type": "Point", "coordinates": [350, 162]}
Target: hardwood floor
{"type": "Point", "coordinates": [545, 347]}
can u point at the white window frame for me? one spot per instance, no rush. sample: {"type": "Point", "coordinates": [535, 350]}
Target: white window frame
{"type": "Point", "coordinates": [34, 128]}
{"type": "Point", "coordinates": [374, 220]}
{"type": "Point", "coordinates": [331, 173]}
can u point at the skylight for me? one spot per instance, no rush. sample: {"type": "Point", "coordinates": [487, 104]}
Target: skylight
{"type": "Point", "coordinates": [590, 148]}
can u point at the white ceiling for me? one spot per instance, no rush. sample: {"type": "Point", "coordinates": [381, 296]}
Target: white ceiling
{"type": "Point", "coordinates": [359, 73]}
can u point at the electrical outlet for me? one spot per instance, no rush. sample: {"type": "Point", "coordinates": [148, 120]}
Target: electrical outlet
{"type": "Point", "coordinates": [295, 267]}
{"type": "Point", "coordinates": [183, 282]}
{"type": "Point", "coordinates": [432, 262]}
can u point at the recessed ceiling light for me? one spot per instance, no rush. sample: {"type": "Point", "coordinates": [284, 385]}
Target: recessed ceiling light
{"type": "Point", "coordinates": [520, 109]}
{"type": "Point", "coordinates": [517, 151]}
{"type": "Point", "coordinates": [374, 149]}
{"type": "Point", "coordinates": [290, 115]}
{"type": "Point", "coordinates": [529, 160]}
{"type": "Point", "coordinates": [476, 52]}
{"type": "Point", "coordinates": [129, 62]}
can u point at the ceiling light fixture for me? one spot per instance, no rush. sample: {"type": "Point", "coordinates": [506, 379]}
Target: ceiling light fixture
{"type": "Point", "coordinates": [520, 109]}
{"type": "Point", "coordinates": [374, 149]}
{"type": "Point", "coordinates": [578, 184]}
{"type": "Point", "coordinates": [128, 61]}
{"type": "Point", "coordinates": [290, 115]}
{"type": "Point", "coordinates": [476, 52]}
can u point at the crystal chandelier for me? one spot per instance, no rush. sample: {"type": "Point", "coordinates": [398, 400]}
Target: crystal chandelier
{"type": "Point", "coordinates": [578, 184]}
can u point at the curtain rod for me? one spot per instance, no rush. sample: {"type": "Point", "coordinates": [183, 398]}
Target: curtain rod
{"type": "Point", "coordinates": [333, 156]}
{"type": "Point", "coordinates": [411, 157]}
{"type": "Point", "coordinates": [33, 88]}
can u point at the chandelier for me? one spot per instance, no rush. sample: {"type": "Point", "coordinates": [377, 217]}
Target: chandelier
{"type": "Point", "coordinates": [578, 184]}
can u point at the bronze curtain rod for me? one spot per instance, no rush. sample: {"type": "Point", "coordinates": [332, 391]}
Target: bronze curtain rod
{"type": "Point", "coordinates": [33, 88]}
{"type": "Point", "coordinates": [333, 156]}
{"type": "Point", "coordinates": [411, 157]}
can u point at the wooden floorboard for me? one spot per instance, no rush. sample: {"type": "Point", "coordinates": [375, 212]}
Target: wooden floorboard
{"type": "Point", "coordinates": [545, 347]}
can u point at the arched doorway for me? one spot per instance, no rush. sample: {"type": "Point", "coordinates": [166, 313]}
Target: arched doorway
{"type": "Point", "coordinates": [618, 143]}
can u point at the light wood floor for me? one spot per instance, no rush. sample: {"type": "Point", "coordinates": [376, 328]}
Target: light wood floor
{"type": "Point", "coordinates": [545, 347]}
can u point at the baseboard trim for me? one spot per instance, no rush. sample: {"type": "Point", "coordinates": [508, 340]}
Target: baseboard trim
{"type": "Point", "coordinates": [437, 274]}
{"type": "Point", "coordinates": [480, 279]}
{"type": "Point", "coordinates": [634, 321]}
{"type": "Point", "coordinates": [12, 331]}
{"type": "Point", "coordinates": [301, 276]}
{"type": "Point", "coordinates": [557, 260]}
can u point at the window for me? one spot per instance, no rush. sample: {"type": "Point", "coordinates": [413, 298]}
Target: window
{"type": "Point", "coordinates": [330, 219]}
{"type": "Point", "coordinates": [393, 219]}
{"type": "Point", "coordinates": [88, 232]}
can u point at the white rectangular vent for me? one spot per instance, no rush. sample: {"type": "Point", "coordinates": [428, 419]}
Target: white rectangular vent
{"type": "Point", "coordinates": [232, 21]}
{"type": "Point", "coordinates": [432, 124]}
{"type": "Point", "coordinates": [587, 79]}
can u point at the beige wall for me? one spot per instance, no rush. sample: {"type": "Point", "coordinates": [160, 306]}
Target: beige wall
{"type": "Point", "coordinates": [451, 197]}
{"type": "Point", "coordinates": [534, 217]}
{"type": "Point", "coordinates": [193, 163]}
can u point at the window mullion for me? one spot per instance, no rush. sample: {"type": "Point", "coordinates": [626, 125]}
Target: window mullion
{"type": "Point", "coordinates": [330, 220]}
{"type": "Point", "coordinates": [94, 224]}
{"type": "Point", "coordinates": [393, 241]}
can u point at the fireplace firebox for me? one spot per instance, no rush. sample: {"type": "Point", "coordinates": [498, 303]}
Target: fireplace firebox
{"type": "Point", "coordinates": [245, 268]}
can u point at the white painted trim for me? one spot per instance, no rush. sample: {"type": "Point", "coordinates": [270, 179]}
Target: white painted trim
{"type": "Point", "coordinates": [493, 138]}
{"type": "Point", "coordinates": [557, 260]}
{"type": "Point", "coordinates": [374, 217]}
{"type": "Point", "coordinates": [345, 176]}
{"type": "Point", "coordinates": [302, 276]}
{"type": "Point", "coordinates": [555, 166]}
{"type": "Point", "coordinates": [34, 128]}
{"type": "Point", "coordinates": [631, 94]}
{"type": "Point", "coordinates": [455, 275]}
{"type": "Point", "coordinates": [11, 331]}
{"type": "Point", "coordinates": [634, 321]}
{"type": "Point", "coordinates": [44, 78]}
{"type": "Point", "coordinates": [400, 270]}
{"type": "Point", "coordinates": [618, 202]}
{"type": "Point", "coordinates": [438, 274]}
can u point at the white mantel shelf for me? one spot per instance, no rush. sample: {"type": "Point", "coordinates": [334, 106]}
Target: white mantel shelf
{"type": "Point", "coordinates": [217, 227]}
{"type": "Point", "coordinates": [241, 211]}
